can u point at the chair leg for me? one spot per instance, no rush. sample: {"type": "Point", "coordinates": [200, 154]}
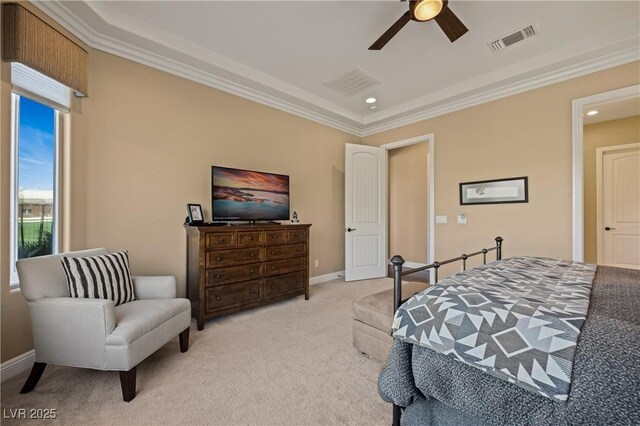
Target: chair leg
{"type": "Point", "coordinates": [34, 377]}
{"type": "Point", "coordinates": [184, 340]}
{"type": "Point", "coordinates": [128, 384]}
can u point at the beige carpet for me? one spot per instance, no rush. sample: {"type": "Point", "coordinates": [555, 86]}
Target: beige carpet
{"type": "Point", "coordinates": [290, 363]}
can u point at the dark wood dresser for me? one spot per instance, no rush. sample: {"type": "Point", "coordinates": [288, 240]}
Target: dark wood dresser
{"type": "Point", "coordinates": [234, 268]}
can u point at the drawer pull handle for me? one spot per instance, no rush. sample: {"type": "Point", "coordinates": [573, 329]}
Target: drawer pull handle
{"type": "Point", "coordinates": [273, 267]}
{"type": "Point", "coordinates": [298, 250]}
{"type": "Point", "coordinates": [253, 291]}
{"type": "Point", "coordinates": [252, 271]}
{"type": "Point", "coordinates": [274, 236]}
{"type": "Point", "coordinates": [273, 286]}
{"type": "Point", "coordinates": [218, 276]}
{"type": "Point", "coordinates": [217, 297]}
{"type": "Point", "coordinates": [273, 252]}
{"type": "Point", "coordinates": [250, 238]}
{"type": "Point", "coordinates": [221, 239]}
{"type": "Point", "coordinates": [218, 258]}
{"type": "Point", "coordinates": [252, 255]}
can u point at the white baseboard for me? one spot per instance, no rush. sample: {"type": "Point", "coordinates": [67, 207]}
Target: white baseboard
{"type": "Point", "coordinates": [326, 277]}
{"type": "Point", "coordinates": [340, 274]}
{"type": "Point", "coordinates": [414, 265]}
{"type": "Point", "coordinates": [17, 365]}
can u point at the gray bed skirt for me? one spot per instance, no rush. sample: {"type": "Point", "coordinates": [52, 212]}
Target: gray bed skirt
{"type": "Point", "coordinates": [433, 412]}
{"type": "Point", "coordinates": [437, 390]}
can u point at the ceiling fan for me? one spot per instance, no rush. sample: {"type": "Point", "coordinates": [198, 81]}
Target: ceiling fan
{"type": "Point", "coordinates": [421, 11]}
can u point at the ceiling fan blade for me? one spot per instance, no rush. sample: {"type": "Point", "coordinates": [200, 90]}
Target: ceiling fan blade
{"type": "Point", "coordinates": [391, 32]}
{"type": "Point", "coordinates": [450, 24]}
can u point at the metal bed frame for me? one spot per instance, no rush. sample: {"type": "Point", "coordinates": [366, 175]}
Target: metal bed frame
{"type": "Point", "coordinates": [397, 262]}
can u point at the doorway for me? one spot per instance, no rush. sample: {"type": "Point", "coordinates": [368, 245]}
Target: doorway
{"type": "Point", "coordinates": [613, 120]}
{"type": "Point", "coordinates": [618, 203]}
{"type": "Point", "coordinates": [367, 205]}
{"type": "Point", "coordinates": [409, 201]}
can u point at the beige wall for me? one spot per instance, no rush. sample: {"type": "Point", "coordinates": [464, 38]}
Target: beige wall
{"type": "Point", "coordinates": [14, 315]}
{"type": "Point", "coordinates": [608, 133]}
{"type": "Point", "coordinates": [141, 149]}
{"type": "Point", "coordinates": [16, 328]}
{"type": "Point", "coordinates": [528, 134]}
{"type": "Point", "coordinates": [408, 202]}
{"type": "Point", "coordinates": [144, 144]}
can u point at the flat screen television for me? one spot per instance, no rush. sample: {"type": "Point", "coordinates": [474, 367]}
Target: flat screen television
{"type": "Point", "coordinates": [239, 195]}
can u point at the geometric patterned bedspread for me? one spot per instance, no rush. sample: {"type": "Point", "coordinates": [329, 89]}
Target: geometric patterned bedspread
{"type": "Point", "coordinates": [517, 319]}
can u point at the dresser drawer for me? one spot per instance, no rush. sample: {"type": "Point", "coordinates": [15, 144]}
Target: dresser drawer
{"type": "Point", "coordinates": [220, 240]}
{"type": "Point", "coordinates": [233, 295]}
{"type": "Point", "coordinates": [218, 258]}
{"type": "Point", "coordinates": [275, 237]}
{"type": "Point", "coordinates": [297, 236]}
{"type": "Point", "coordinates": [232, 274]}
{"type": "Point", "coordinates": [249, 238]}
{"type": "Point", "coordinates": [283, 284]}
{"type": "Point", "coordinates": [276, 267]}
{"type": "Point", "coordinates": [234, 268]}
{"type": "Point", "coordinates": [284, 252]}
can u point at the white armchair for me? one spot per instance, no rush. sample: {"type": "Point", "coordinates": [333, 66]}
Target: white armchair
{"type": "Point", "coordinates": [94, 333]}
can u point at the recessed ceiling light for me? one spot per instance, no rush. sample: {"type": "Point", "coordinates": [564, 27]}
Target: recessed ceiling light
{"type": "Point", "coordinates": [593, 112]}
{"type": "Point", "coordinates": [373, 107]}
{"type": "Point", "coordinates": [371, 100]}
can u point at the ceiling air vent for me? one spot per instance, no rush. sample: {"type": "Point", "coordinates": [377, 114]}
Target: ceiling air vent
{"type": "Point", "coordinates": [513, 38]}
{"type": "Point", "coordinates": [353, 82]}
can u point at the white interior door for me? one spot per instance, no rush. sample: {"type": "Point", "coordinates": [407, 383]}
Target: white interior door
{"type": "Point", "coordinates": [365, 212]}
{"type": "Point", "coordinates": [620, 224]}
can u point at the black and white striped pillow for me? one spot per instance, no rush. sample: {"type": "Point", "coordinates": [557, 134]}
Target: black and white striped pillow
{"type": "Point", "coordinates": [100, 277]}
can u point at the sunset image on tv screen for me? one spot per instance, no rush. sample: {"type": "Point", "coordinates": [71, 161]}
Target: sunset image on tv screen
{"type": "Point", "coordinates": [248, 195]}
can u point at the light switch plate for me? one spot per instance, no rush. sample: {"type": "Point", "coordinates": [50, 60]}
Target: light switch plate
{"type": "Point", "coordinates": [441, 219]}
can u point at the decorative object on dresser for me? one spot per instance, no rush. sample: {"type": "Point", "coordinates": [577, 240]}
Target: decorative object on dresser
{"type": "Point", "coordinates": [242, 267]}
{"type": "Point", "coordinates": [195, 214]}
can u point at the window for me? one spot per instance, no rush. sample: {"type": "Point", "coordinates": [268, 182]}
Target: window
{"type": "Point", "coordinates": [35, 169]}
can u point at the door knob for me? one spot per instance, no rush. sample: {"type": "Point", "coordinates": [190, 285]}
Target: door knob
{"type": "Point", "coordinates": [351, 229]}
{"type": "Point", "coordinates": [608, 228]}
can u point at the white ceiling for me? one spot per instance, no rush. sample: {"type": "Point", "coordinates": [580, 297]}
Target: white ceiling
{"type": "Point", "coordinates": [281, 53]}
{"type": "Point", "coordinates": [613, 110]}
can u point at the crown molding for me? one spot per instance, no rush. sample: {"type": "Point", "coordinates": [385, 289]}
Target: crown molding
{"type": "Point", "coordinates": [231, 77]}
{"type": "Point", "coordinates": [278, 98]}
{"type": "Point", "coordinates": [585, 67]}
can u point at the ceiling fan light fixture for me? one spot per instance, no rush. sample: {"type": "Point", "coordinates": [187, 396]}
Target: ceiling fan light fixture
{"type": "Point", "coordinates": [421, 11]}
{"type": "Point", "coordinates": [425, 10]}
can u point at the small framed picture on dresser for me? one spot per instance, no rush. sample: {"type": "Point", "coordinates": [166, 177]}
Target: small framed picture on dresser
{"type": "Point", "coordinates": [195, 214]}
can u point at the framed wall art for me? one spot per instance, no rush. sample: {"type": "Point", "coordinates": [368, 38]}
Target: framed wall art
{"type": "Point", "coordinates": [495, 191]}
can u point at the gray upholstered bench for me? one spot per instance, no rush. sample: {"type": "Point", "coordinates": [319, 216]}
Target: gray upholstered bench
{"type": "Point", "coordinates": [372, 318]}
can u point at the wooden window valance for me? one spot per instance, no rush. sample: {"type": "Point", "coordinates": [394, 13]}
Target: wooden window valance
{"type": "Point", "coordinates": [29, 40]}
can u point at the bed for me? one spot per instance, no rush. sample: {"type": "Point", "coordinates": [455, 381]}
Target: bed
{"type": "Point", "coordinates": [593, 381]}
